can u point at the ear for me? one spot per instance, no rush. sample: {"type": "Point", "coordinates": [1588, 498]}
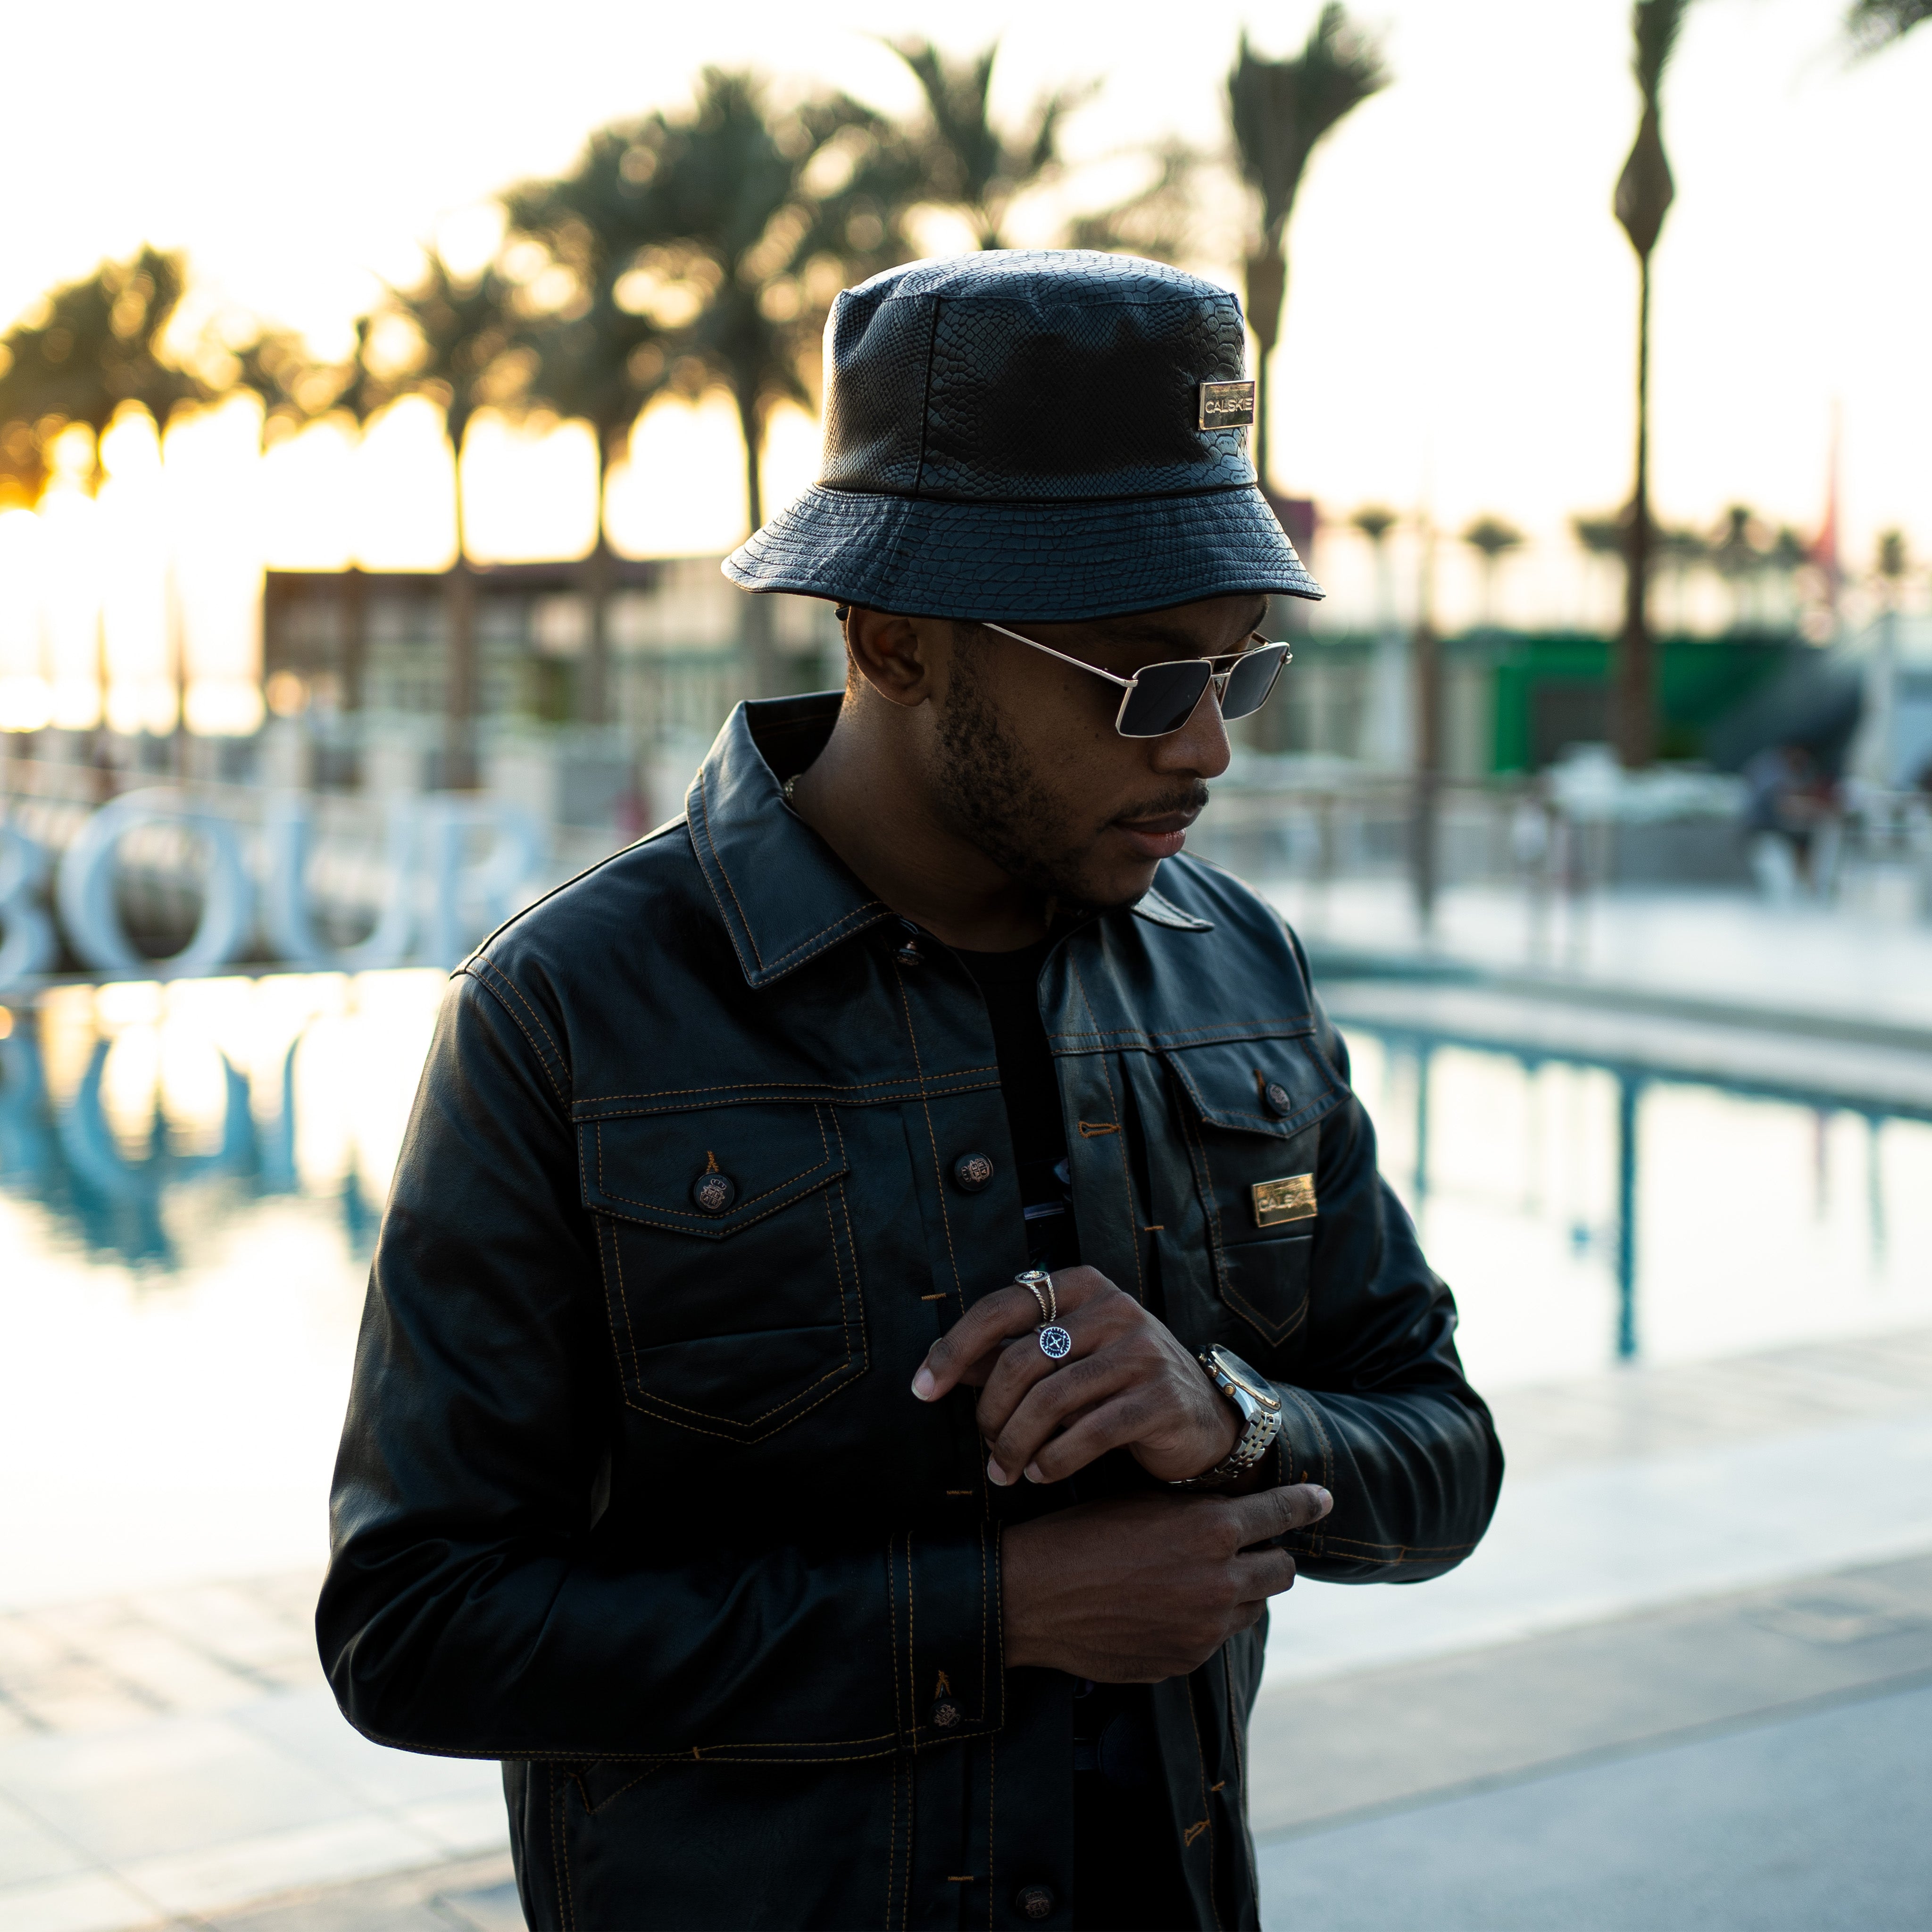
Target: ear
{"type": "Point", "coordinates": [894, 656]}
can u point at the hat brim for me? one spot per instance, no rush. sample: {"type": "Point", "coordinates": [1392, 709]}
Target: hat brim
{"type": "Point", "coordinates": [1052, 562]}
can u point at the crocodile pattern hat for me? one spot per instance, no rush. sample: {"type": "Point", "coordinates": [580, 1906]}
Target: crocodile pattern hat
{"type": "Point", "coordinates": [1050, 434]}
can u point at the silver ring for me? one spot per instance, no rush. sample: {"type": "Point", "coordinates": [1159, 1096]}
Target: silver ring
{"type": "Point", "coordinates": [1055, 1344]}
{"type": "Point", "coordinates": [1039, 1283]}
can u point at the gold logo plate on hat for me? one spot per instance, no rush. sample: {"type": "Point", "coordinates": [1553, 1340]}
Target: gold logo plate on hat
{"type": "Point", "coordinates": [1291, 1198]}
{"type": "Point", "coordinates": [1227, 405]}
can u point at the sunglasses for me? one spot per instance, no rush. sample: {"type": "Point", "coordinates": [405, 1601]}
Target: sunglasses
{"type": "Point", "coordinates": [1160, 698]}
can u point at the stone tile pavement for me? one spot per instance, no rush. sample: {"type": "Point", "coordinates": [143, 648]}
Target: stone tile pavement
{"type": "Point", "coordinates": [172, 1757]}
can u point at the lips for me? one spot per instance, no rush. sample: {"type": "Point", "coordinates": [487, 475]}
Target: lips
{"type": "Point", "coordinates": [1157, 838]}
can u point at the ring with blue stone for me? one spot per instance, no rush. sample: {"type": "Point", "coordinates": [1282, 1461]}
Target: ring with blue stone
{"type": "Point", "coordinates": [1055, 1344]}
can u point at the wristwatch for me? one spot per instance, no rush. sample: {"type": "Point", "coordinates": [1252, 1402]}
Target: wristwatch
{"type": "Point", "coordinates": [1259, 1407]}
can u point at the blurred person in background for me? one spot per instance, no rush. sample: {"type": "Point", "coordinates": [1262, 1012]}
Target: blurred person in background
{"type": "Point", "coordinates": [887, 1277]}
{"type": "Point", "coordinates": [1793, 817]}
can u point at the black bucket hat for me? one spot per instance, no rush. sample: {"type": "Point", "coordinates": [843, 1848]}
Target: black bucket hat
{"type": "Point", "coordinates": [1053, 434]}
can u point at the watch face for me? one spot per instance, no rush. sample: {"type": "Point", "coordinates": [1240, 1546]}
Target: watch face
{"type": "Point", "coordinates": [1249, 1381]}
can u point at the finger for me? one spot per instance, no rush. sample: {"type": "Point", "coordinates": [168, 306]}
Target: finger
{"type": "Point", "coordinates": [1051, 1405]}
{"type": "Point", "coordinates": [977, 1334]}
{"type": "Point", "coordinates": [1272, 1513]}
{"type": "Point", "coordinates": [1026, 1366]}
{"type": "Point", "coordinates": [1261, 1574]}
{"type": "Point", "coordinates": [966, 1351]}
{"type": "Point", "coordinates": [1079, 1436]}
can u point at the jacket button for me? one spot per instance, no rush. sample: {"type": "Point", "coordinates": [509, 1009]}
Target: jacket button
{"type": "Point", "coordinates": [971, 1172]}
{"type": "Point", "coordinates": [906, 952]}
{"type": "Point", "coordinates": [1276, 1096]}
{"type": "Point", "coordinates": [946, 1714]}
{"type": "Point", "coordinates": [712, 1193]}
{"type": "Point", "coordinates": [1035, 1901]}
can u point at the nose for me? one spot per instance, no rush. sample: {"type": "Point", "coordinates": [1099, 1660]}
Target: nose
{"type": "Point", "coordinates": [1200, 747]}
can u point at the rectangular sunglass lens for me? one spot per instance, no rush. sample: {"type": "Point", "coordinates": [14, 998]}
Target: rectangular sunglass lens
{"type": "Point", "coordinates": [1251, 680]}
{"type": "Point", "coordinates": [1163, 698]}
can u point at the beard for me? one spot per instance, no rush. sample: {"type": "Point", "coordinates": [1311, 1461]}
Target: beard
{"type": "Point", "coordinates": [990, 792]}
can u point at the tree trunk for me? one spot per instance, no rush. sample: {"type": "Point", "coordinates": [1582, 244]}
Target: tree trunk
{"type": "Point", "coordinates": [1267, 280]}
{"type": "Point", "coordinates": [761, 664]}
{"type": "Point", "coordinates": [1426, 798]}
{"type": "Point", "coordinates": [593, 696]}
{"type": "Point", "coordinates": [354, 657]}
{"type": "Point", "coordinates": [1634, 699]}
{"type": "Point", "coordinates": [459, 622]}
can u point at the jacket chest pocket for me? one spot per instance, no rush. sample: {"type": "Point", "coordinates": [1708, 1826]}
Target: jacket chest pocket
{"type": "Point", "coordinates": [729, 1266]}
{"type": "Point", "coordinates": [1251, 1113]}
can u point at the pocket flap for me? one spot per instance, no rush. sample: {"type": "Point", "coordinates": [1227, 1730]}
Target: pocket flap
{"type": "Point", "coordinates": [709, 1172]}
{"type": "Point", "coordinates": [1275, 1087]}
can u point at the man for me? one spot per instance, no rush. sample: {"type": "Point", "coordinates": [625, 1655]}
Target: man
{"type": "Point", "coordinates": [709, 1462]}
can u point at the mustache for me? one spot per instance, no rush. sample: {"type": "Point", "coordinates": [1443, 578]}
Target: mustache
{"type": "Point", "coordinates": [1189, 798]}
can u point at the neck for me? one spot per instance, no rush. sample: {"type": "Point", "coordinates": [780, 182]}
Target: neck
{"type": "Point", "coordinates": [868, 796]}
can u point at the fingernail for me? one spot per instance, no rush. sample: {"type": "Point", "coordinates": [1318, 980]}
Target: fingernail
{"type": "Point", "coordinates": [994, 1474]}
{"type": "Point", "coordinates": [925, 1383]}
{"type": "Point", "coordinates": [1033, 1474]}
{"type": "Point", "coordinates": [1327, 1501]}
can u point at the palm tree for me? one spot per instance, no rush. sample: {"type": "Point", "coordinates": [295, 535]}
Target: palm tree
{"type": "Point", "coordinates": [1374, 521]}
{"type": "Point", "coordinates": [1492, 539]}
{"type": "Point", "coordinates": [82, 352]}
{"type": "Point", "coordinates": [463, 353]}
{"type": "Point", "coordinates": [1157, 220]}
{"type": "Point", "coordinates": [1873, 24]}
{"type": "Point", "coordinates": [1644, 191]}
{"type": "Point", "coordinates": [966, 163]}
{"type": "Point", "coordinates": [726, 232]}
{"type": "Point", "coordinates": [1279, 111]}
{"type": "Point", "coordinates": [599, 359]}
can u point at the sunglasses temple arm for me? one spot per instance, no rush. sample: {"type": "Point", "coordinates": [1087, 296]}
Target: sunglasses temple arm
{"type": "Point", "coordinates": [1125, 683]}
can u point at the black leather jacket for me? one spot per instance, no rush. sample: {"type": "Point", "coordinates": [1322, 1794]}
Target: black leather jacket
{"type": "Point", "coordinates": [634, 1495]}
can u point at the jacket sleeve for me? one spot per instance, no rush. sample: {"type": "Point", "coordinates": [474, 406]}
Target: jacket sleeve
{"type": "Point", "coordinates": [470, 1607]}
{"type": "Point", "coordinates": [1382, 1416]}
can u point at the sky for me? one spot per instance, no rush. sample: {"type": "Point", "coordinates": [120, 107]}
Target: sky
{"type": "Point", "coordinates": [1461, 318]}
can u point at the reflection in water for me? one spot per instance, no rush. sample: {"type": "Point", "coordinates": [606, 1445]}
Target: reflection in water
{"type": "Point", "coordinates": [183, 1105]}
{"type": "Point", "coordinates": [1584, 1214]}
{"type": "Point", "coordinates": [1583, 1211]}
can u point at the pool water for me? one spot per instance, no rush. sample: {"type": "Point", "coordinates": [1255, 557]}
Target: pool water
{"type": "Point", "coordinates": [190, 1176]}
{"type": "Point", "coordinates": [1749, 1222]}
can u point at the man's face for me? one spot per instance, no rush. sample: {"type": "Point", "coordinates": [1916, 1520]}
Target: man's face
{"type": "Point", "coordinates": [1027, 765]}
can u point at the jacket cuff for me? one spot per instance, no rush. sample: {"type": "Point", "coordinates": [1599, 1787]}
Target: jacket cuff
{"type": "Point", "coordinates": [948, 1661]}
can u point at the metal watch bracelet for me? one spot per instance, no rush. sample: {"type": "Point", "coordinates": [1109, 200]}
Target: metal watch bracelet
{"type": "Point", "coordinates": [1261, 1425]}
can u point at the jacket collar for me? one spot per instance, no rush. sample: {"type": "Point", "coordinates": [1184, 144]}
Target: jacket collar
{"type": "Point", "coordinates": [782, 892]}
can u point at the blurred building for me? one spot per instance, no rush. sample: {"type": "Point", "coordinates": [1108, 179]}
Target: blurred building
{"type": "Point", "coordinates": [356, 665]}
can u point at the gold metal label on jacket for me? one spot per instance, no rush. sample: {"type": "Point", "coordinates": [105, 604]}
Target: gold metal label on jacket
{"type": "Point", "coordinates": [1291, 1198]}
{"type": "Point", "coordinates": [1227, 405]}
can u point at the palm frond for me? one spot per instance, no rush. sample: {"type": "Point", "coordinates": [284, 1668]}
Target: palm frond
{"type": "Point", "coordinates": [1654, 27]}
{"type": "Point", "coordinates": [1280, 110]}
{"type": "Point", "coordinates": [1873, 24]}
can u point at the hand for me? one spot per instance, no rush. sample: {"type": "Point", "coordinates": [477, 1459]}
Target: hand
{"type": "Point", "coordinates": [1145, 1587]}
{"type": "Point", "coordinates": [1129, 1384]}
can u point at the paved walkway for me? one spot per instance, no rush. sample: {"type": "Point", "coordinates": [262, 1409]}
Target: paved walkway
{"type": "Point", "coordinates": [1666, 1693]}
{"type": "Point", "coordinates": [1814, 1822]}
{"type": "Point", "coordinates": [173, 1755]}
{"type": "Point", "coordinates": [1691, 1547]}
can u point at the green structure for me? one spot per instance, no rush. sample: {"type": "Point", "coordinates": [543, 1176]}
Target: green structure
{"type": "Point", "coordinates": [1553, 690]}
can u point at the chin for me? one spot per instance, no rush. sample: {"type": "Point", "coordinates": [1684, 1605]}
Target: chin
{"type": "Point", "coordinates": [1115, 888]}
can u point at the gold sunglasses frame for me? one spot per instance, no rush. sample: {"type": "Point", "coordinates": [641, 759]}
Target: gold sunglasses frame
{"type": "Point", "coordinates": [1217, 680]}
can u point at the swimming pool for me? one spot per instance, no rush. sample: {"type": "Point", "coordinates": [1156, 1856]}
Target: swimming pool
{"type": "Point", "coordinates": [191, 1173]}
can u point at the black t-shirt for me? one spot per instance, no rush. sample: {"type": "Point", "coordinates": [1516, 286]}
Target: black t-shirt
{"type": "Point", "coordinates": [1009, 981]}
{"type": "Point", "coordinates": [1126, 1878]}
